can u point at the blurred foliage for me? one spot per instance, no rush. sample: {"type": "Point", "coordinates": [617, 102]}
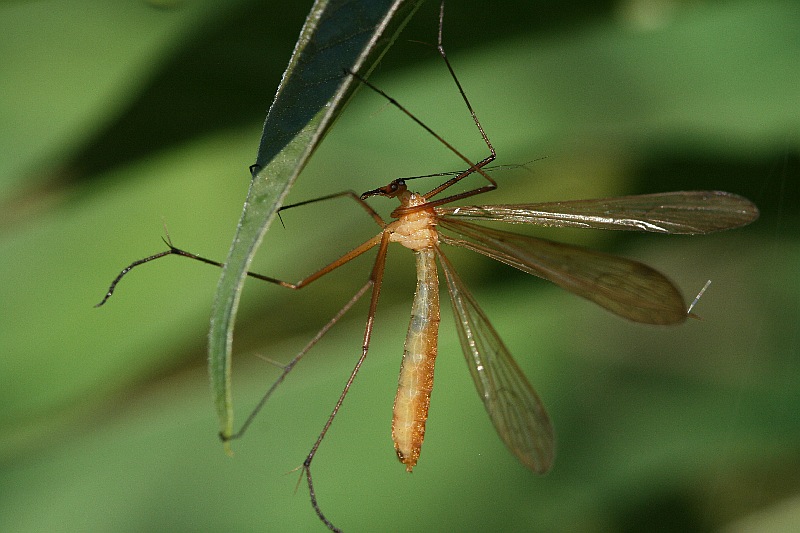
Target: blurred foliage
{"type": "Point", "coordinates": [117, 116]}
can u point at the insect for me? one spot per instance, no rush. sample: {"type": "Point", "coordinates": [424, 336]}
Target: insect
{"type": "Point", "coordinates": [426, 223]}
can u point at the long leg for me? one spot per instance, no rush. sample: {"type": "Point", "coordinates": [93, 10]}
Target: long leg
{"type": "Point", "coordinates": [481, 164]}
{"type": "Point", "coordinates": [473, 167]}
{"type": "Point", "coordinates": [172, 250]}
{"type": "Point", "coordinates": [376, 279]}
{"type": "Point", "coordinates": [349, 256]}
{"type": "Point", "coordinates": [350, 194]}
{"type": "Point", "coordinates": [296, 359]}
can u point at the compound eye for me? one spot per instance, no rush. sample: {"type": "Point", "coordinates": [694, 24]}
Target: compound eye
{"type": "Point", "coordinates": [390, 191]}
{"type": "Point", "coordinates": [398, 184]}
{"type": "Point", "coordinates": [394, 188]}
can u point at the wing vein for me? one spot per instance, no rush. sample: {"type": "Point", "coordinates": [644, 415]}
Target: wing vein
{"type": "Point", "coordinates": [513, 406]}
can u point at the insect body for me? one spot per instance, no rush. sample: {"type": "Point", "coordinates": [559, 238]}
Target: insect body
{"type": "Point", "coordinates": [515, 408]}
{"type": "Point", "coordinates": [628, 288]}
{"type": "Point", "coordinates": [425, 223]}
{"type": "Point", "coordinates": [416, 230]}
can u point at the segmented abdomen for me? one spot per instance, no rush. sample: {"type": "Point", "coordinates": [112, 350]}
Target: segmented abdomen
{"type": "Point", "coordinates": [416, 371]}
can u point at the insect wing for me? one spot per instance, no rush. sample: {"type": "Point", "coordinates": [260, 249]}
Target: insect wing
{"type": "Point", "coordinates": [627, 288]}
{"type": "Point", "coordinates": [684, 212]}
{"type": "Point", "coordinates": [513, 406]}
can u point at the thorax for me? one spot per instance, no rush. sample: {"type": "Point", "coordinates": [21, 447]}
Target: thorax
{"type": "Point", "coordinates": [415, 229]}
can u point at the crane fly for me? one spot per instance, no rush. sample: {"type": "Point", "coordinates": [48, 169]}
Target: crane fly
{"type": "Point", "coordinates": [424, 223]}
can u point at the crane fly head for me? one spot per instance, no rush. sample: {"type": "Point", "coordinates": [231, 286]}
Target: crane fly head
{"type": "Point", "coordinates": [392, 190]}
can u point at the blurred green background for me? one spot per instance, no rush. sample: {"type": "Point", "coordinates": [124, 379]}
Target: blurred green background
{"type": "Point", "coordinates": [117, 117]}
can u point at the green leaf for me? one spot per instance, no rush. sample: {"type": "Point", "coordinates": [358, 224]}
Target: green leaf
{"type": "Point", "coordinates": [337, 35]}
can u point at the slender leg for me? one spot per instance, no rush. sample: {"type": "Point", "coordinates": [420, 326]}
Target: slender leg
{"type": "Point", "coordinates": [298, 285]}
{"type": "Point", "coordinates": [473, 167]}
{"type": "Point", "coordinates": [493, 154]}
{"type": "Point", "coordinates": [296, 359]}
{"type": "Point", "coordinates": [376, 279]}
{"type": "Point", "coordinates": [350, 194]}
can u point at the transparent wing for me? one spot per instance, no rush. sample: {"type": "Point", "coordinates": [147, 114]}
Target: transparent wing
{"type": "Point", "coordinates": [627, 288]}
{"type": "Point", "coordinates": [514, 408]}
{"type": "Point", "coordinates": [688, 212]}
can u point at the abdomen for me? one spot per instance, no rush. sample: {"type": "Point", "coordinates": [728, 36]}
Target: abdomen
{"type": "Point", "coordinates": [416, 371]}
